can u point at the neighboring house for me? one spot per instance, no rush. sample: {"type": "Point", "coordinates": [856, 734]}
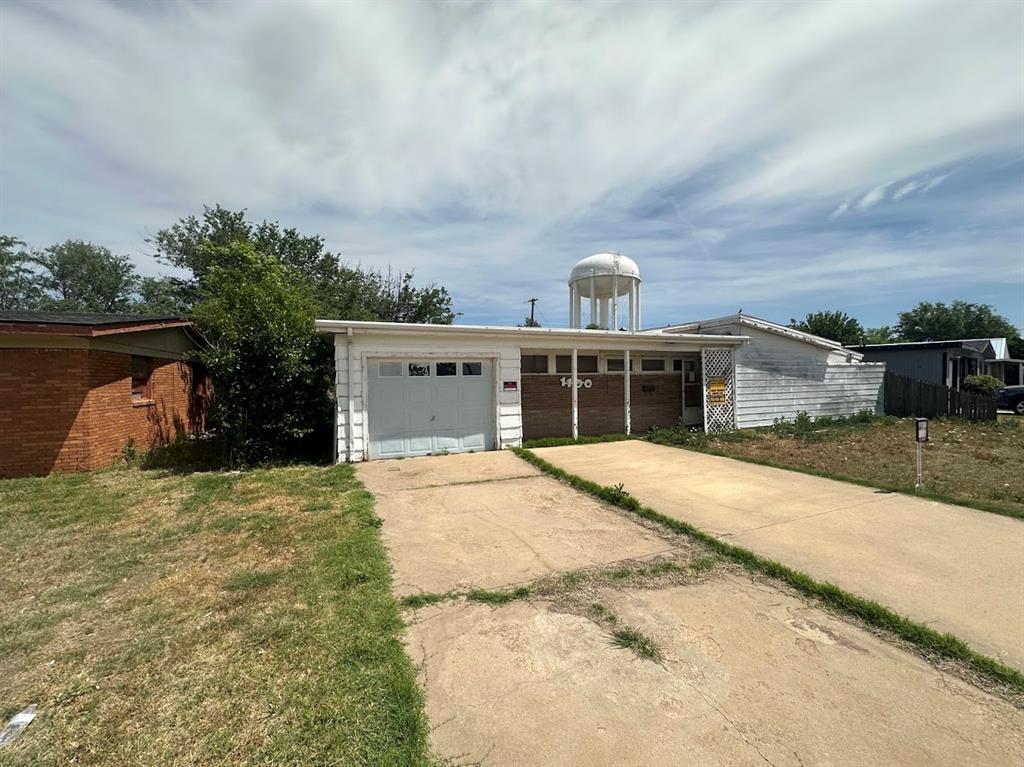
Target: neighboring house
{"type": "Point", "coordinates": [947, 362]}
{"type": "Point", "coordinates": [76, 389]}
{"type": "Point", "coordinates": [783, 371]}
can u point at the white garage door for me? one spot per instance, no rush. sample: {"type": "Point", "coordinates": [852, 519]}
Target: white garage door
{"type": "Point", "coordinates": [418, 407]}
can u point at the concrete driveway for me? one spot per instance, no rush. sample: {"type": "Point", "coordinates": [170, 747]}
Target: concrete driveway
{"type": "Point", "coordinates": [954, 569]}
{"type": "Point", "coordinates": [745, 673]}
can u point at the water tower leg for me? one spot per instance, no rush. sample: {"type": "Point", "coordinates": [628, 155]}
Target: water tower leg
{"type": "Point", "coordinates": [602, 320]}
{"type": "Point", "coordinates": [632, 306]}
{"type": "Point", "coordinates": [593, 300]}
{"type": "Point", "coordinates": [615, 300]}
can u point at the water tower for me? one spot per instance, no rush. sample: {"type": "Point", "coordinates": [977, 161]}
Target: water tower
{"type": "Point", "coordinates": [603, 279]}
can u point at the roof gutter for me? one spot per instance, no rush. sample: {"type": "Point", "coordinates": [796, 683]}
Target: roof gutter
{"type": "Point", "coordinates": [525, 334]}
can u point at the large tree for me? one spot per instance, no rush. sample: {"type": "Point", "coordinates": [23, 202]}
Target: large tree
{"type": "Point", "coordinates": [81, 277]}
{"type": "Point", "coordinates": [837, 326]}
{"type": "Point", "coordinates": [338, 290]}
{"type": "Point", "coordinates": [941, 322]}
{"type": "Point", "coordinates": [270, 373]}
{"type": "Point", "coordinates": [256, 290]}
{"type": "Point", "coordinates": [19, 284]}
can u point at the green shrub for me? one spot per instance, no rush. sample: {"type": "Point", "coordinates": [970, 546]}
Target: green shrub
{"type": "Point", "coordinates": [987, 385]}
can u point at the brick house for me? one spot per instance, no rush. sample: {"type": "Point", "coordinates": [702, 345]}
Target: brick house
{"type": "Point", "coordinates": [76, 389]}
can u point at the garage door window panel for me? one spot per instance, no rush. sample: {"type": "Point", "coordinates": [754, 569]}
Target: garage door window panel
{"type": "Point", "coordinates": [419, 369]}
{"type": "Point", "coordinates": [445, 369]}
{"type": "Point", "coordinates": [472, 369]}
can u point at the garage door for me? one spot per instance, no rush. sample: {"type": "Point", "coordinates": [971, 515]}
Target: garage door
{"type": "Point", "coordinates": [418, 407]}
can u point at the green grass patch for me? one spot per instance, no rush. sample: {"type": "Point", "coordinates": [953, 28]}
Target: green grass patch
{"type": "Point", "coordinates": [560, 441]}
{"type": "Point", "coordinates": [425, 598]}
{"type": "Point", "coordinates": [249, 580]}
{"type": "Point", "coordinates": [927, 640]}
{"type": "Point", "coordinates": [641, 645]}
{"type": "Point", "coordinates": [135, 598]}
{"type": "Point", "coordinates": [498, 597]}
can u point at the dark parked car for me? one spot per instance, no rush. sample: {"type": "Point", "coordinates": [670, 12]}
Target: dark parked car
{"type": "Point", "coordinates": [1011, 398]}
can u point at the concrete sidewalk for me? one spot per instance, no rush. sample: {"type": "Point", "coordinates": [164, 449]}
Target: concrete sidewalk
{"type": "Point", "coordinates": [952, 568]}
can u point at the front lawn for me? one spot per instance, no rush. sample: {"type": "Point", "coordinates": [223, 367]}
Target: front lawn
{"type": "Point", "coordinates": [975, 464]}
{"type": "Point", "coordinates": [209, 618]}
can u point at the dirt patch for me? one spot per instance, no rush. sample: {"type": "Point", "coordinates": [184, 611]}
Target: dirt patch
{"type": "Point", "coordinates": [745, 675]}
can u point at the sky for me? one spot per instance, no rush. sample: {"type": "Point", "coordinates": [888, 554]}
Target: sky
{"type": "Point", "coordinates": [775, 158]}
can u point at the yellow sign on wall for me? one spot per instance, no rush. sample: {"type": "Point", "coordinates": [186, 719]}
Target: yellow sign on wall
{"type": "Point", "coordinates": [716, 390]}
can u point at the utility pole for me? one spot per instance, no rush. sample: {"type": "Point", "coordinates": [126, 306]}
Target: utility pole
{"type": "Point", "coordinates": [533, 303]}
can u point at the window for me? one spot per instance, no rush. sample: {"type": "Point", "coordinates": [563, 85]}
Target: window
{"type": "Point", "coordinates": [447, 369]}
{"type": "Point", "coordinates": [535, 363]}
{"type": "Point", "coordinates": [585, 363]}
{"type": "Point", "coordinates": [648, 365]}
{"type": "Point", "coordinates": [389, 369]}
{"type": "Point", "coordinates": [677, 365]}
{"type": "Point", "coordinates": [616, 365]}
{"type": "Point", "coordinates": [140, 369]}
{"type": "Point", "coordinates": [472, 369]}
{"type": "Point", "coordinates": [418, 369]}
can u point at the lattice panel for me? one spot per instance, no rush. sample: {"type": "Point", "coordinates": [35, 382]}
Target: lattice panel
{"type": "Point", "coordinates": [719, 390]}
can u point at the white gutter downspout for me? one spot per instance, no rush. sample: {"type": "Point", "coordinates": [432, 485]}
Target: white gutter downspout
{"type": "Point", "coordinates": [629, 416]}
{"type": "Point", "coordinates": [350, 434]}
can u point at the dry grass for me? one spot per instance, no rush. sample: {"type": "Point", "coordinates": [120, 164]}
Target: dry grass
{"type": "Point", "coordinates": [214, 618]}
{"type": "Point", "coordinates": [976, 464]}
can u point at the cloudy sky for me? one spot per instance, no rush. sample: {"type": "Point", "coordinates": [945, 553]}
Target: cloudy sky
{"type": "Point", "coordinates": [782, 158]}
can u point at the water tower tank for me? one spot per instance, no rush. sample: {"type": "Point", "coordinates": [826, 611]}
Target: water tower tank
{"type": "Point", "coordinates": [601, 280]}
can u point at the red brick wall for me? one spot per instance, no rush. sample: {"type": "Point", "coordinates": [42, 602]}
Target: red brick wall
{"type": "Point", "coordinates": [655, 400]}
{"type": "Point", "coordinates": [42, 427]}
{"type": "Point", "coordinates": [71, 410]}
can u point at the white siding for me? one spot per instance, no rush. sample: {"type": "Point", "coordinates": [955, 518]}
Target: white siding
{"type": "Point", "coordinates": [505, 356]}
{"type": "Point", "coordinates": [778, 377]}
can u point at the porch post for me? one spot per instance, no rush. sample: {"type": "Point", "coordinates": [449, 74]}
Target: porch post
{"type": "Point", "coordinates": [626, 379]}
{"type": "Point", "coordinates": [575, 398]}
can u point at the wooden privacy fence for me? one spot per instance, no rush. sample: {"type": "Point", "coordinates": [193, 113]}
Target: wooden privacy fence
{"type": "Point", "coordinates": [903, 396]}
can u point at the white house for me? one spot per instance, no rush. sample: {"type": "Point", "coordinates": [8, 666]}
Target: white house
{"type": "Point", "coordinates": [783, 371]}
{"type": "Point", "coordinates": [405, 389]}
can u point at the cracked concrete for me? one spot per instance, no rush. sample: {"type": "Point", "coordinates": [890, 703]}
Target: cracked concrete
{"type": "Point", "coordinates": [506, 530]}
{"type": "Point", "coordinates": [957, 570]}
{"type": "Point", "coordinates": [750, 674]}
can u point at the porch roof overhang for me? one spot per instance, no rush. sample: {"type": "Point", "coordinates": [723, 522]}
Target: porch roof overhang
{"type": "Point", "coordinates": [534, 338]}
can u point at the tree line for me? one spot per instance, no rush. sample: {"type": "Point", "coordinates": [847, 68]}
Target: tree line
{"type": "Point", "coordinates": [253, 290]}
{"type": "Point", "coordinates": [928, 321]}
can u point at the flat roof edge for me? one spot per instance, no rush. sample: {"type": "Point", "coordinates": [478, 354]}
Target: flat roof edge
{"type": "Point", "coordinates": [342, 326]}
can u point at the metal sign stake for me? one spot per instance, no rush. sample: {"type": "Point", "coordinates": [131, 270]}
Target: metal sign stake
{"type": "Point", "coordinates": [920, 437]}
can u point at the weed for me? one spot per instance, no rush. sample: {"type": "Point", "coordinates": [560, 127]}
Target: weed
{"type": "Point", "coordinates": [424, 598]}
{"type": "Point", "coordinates": [587, 440]}
{"type": "Point", "coordinates": [129, 453]}
{"type": "Point", "coordinates": [629, 638]}
{"type": "Point", "coordinates": [602, 614]}
{"type": "Point", "coordinates": [498, 597]}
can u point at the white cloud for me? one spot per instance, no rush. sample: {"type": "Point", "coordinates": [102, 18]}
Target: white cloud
{"type": "Point", "coordinates": [906, 189]}
{"type": "Point", "coordinates": [873, 197]}
{"type": "Point", "coordinates": [470, 140]}
{"type": "Point", "coordinates": [934, 183]}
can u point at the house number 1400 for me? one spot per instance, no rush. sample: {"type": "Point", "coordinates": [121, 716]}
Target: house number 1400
{"type": "Point", "coordinates": [581, 383]}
